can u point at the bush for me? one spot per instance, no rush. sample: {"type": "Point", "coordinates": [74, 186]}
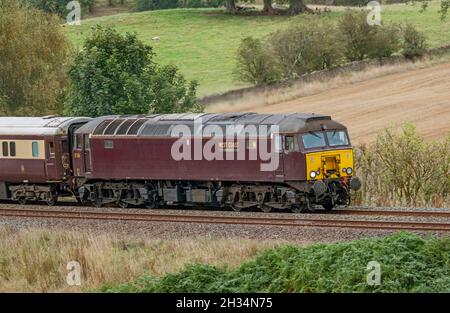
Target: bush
{"type": "Point", "coordinates": [148, 5]}
{"type": "Point", "coordinates": [402, 169]}
{"type": "Point", "coordinates": [255, 62]}
{"type": "Point", "coordinates": [362, 40]}
{"type": "Point", "coordinates": [408, 263]}
{"type": "Point", "coordinates": [384, 42]}
{"type": "Point", "coordinates": [306, 48]}
{"type": "Point", "coordinates": [59, 6]}
{"type": "Point", "coordinates": [414, 43]}
{"type": "Point", "coordinates": [115, 74]}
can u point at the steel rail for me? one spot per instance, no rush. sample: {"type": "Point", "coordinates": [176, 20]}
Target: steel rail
{"type": "Point", "coordinates": [236, 220]}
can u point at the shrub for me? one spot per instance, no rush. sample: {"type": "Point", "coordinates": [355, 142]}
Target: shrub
{"type": "Point", "coordinates": [356, 34]}
{"type": "Point", "coordinates": [148, 5]}
{"type": "Point", "coordinates": [414, 43]}
{"type": "Point", "coordinates": [385, 42]}
{"type": "Point", "coordinates": [409, 264]}
{"type": "Point", "coordinates": [255, 62]}
{"type": "Point", "coordinates": [306, 48]}
{"type": "Point", "coordinates": [59, 6]}
{"type": "Point", "coordinates": [402, 169]}
{"type": "Point", "coordinates": [362, 40]}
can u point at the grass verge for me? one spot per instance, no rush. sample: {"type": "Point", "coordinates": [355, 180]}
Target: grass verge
{"type": "Point", "coordinates": [36, 260]}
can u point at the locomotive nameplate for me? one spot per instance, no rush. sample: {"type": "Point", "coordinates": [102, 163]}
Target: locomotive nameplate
{"type": "Point", "coordinates": [229, 145]}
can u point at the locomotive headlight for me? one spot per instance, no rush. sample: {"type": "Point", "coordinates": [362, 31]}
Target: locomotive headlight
{"type": "Point", "coordinates": [344, 170]}
{"type": "Point", "coordinates": [312, 174]}
{"type": "Point", "coordinates": [349, 171]}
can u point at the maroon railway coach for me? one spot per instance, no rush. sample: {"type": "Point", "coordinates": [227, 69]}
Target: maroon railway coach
{"type": "Point", "coordinates": [129, 160]}
{"type": "Point", "coordinates": [35, 161]}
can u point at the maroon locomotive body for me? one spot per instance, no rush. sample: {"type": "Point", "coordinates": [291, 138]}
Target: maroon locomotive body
{"type": "Point", "coordinates": [237, 160]}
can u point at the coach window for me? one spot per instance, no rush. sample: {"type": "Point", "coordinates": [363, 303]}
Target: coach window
{"type": "Point", "coordinates": [289, 143]}
{"type": "Point", "coordinates": [12, 149]}
{"type": "Point", "coordinates": [87, 142]}
{"type": "Point", "coordinates": [51, 148]}
{"type": "Point", "coordinates": [5, 148]}
{"type": "Point", "coordinates": [35, 149]}
{"type": "Point", "coordinates": [78, 142]}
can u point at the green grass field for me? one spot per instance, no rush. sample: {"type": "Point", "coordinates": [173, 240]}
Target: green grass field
{"type": "Point", "coordinates": [203, 42]}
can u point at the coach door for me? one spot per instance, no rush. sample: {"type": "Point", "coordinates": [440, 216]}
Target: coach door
{"type": "Point", "coordinates": [278, 146]}
{"type": "Point", "coordinates": [87, 153]}
{"type": "Point", "coordinates": [50, 162]}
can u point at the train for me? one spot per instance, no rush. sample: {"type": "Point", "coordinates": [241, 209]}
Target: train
{"type": "Point", "coordinates": [243, 161]}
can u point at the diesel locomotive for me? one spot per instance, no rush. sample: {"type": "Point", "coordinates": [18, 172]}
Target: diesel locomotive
{"type": "Point", "coordinates": [268, 161]}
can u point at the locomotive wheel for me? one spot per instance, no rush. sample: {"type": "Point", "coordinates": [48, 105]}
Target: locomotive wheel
{"type": "Point", "coordinates": [123, 204]}
{"type": "Point", "coordinates": [266, 208]}
{"type": "Point", "coordinates": [328, 205]}
{"type": "Point", "coordinates": [299, 208]}
{"type": "Point", "coordinates": [236, 207]}
{"type": "Point", "coordinates": [97, 203]}
{"type": "Point", "coordinates": [150, 205]}
{"type": "Point", "coordinates": [22, 200]}
{"type": "Point", "coordinates": [52, 201]}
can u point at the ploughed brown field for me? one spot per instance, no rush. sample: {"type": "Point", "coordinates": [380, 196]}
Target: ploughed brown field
{"type": "Point", "coordinates": [420, 96]}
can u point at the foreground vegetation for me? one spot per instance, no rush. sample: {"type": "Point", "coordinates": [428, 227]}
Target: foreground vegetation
{"type": "Point", "coordinates": [36, 260]}
{"type": "Point", "coordinates": [408, 263]}
{"type": "Point", "coordinates": [203, 42]}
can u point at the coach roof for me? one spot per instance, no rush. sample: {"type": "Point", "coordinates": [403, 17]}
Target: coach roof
{"type": "Point", "coordinates": [47, 125]}
{"type": "Point", "coordinates": [162, 124]}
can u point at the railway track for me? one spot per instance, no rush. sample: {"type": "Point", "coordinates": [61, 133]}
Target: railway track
{"type": "Point", "coordinates": [237, 220]}
{"type": "Point", "coordinates": [390, 212]}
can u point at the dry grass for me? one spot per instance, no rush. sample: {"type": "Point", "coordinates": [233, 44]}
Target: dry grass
{"type": "Point", "coordinates": [36, 260]}
{"type": "Point", "coordinates": [301, 89]}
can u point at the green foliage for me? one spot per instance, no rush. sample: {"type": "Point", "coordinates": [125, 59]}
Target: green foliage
{"type": "Point", "coordinates": [115, 74]}
{"type": "Point", "coordinates": [357, 35]}
{"type": "Point", "coordinates": [289, 53]}
{"type": "Point", "coordinates": [414, 42]}
{"type": "Point", "coordinates": [59, 6]}
{"type": "Point", "coordinates": [306, 48]}
{"type": "Point", "coordinates": [385, 42]}
{"type": "Point", "coordinates": [148, 5]}
{"type": "Point", "coordinates": [403, 169]}
{"type": "Point", "coordinates": [33, 55]}
{"type": "Point", "coordinates": [256, 63]}
{"type": "Point", "coordinates": [408, 263]}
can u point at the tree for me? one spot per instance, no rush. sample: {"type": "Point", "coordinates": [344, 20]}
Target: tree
{"type": "Point", "coordinates": [33, 56]}
{"type": "Point", "coordinates": [115, 74]}
{"type": "Point", "coordinates": [298, 6]}
{"type": "Point", "coordinates": [256, 63]}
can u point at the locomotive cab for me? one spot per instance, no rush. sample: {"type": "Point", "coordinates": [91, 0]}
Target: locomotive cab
{"type": "Point", "coordinates": [329, 164]}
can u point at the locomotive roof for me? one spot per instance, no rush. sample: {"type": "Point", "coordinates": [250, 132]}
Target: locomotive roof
{"type": "Point", "coordinates": [162, 124]}
{"type": "Point", "coordinates": [47, 125]}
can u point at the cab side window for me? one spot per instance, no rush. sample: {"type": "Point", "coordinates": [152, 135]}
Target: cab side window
{"type": "Point", "coordinates": [289, 144]}
{"type": "Point", "coordinates": [78, 142]}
